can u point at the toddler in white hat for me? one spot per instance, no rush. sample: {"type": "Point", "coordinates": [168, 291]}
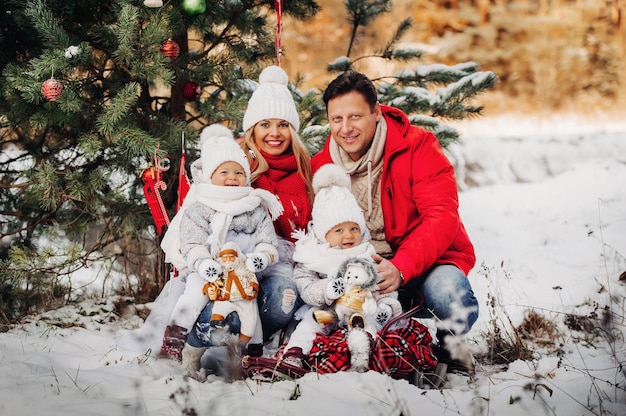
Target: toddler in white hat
{"type": "Point", "coordinates": [336, 233]}
{"type": "Point", "coordinates": [220, 207]}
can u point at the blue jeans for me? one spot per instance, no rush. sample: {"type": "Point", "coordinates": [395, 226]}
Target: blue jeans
{"type": "Point", "coordinates": [278, 301]}
{"type": "Point", "coordinates": [448, 298]}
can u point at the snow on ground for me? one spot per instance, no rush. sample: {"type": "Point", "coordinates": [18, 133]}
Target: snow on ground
{"type": "Point", "coordinates": [545, 205]}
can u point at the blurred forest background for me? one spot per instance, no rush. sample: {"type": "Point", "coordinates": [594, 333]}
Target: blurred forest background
{"type": "Point", "coordinates": [552, 56]}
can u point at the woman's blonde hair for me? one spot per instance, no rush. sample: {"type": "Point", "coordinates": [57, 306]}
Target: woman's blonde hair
{"type": "Point", "coordinates": [258, 164]}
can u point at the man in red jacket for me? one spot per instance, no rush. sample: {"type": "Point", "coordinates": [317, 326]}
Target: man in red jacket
{"type": "Point", "coordinates": [407, 189]}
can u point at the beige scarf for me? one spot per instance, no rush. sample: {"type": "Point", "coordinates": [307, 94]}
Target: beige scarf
{"type": "Point", "coordinates": [365, 175]}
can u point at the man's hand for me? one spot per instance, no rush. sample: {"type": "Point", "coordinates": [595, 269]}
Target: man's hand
{"type": "Point", "coordinates": [389, 278]}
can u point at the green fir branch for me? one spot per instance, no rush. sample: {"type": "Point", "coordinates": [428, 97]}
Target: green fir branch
{"type": "Point", "coordinates": [389, 51]}
{"type": "Point", "coordinates": [126, 33]}
{"type": "Point", "coordinates": [46, 24]}
{"type": "Point", "coordinates": [117, 108]}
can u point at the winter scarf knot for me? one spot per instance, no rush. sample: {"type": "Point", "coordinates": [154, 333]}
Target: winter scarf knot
{"type": "Point", "coordinates": [228, 201]}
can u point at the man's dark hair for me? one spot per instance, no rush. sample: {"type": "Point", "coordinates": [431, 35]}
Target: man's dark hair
{"type": "Point", "coordinates": [351, 81]}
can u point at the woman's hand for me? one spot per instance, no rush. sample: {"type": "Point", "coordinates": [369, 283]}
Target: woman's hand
{"type": "Point", "coordinates": [389, 278]}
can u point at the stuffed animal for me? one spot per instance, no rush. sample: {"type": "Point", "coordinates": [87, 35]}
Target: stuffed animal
{"type": "Point", "coordinates": [234, 290]}
{"type": "Point", "coordinates": [359, 279]}
{"type": "Point", "coordinates": [353, 291]}
{"type": "Point", "coordinates": [357, 300]}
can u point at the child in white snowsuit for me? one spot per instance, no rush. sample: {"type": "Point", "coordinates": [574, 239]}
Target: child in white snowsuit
{"type": "Point", "coordinates": [336, 233]}
{"type": "Point", "coordinates": [221, 206]}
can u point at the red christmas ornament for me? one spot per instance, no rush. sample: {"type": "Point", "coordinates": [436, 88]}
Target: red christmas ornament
{"type": "Point", "coordinates": [150, 174]}
{"type": "Point", "coordinates": [170, 49]}
{"type": "Point", "coordinates": [51, 89]}
{"type": "Point", "coordinates": [191, 90]}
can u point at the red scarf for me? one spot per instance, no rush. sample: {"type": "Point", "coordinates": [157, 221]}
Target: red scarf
{"type": "Point", "coordinates": [283, 180]}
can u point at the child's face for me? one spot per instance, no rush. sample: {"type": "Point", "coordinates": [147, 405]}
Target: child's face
{"type": "Point", "coordinates": [345, 235]}
{"type": "Point", "coordinates": [229, 174]}
{"type": "Point", "coordinates": [273, 136]}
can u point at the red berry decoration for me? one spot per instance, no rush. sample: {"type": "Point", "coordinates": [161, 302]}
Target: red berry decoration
{"type": "Point", "coordinates": [191, 90]}
{"type": "Point", "coordinates": [51, 89]}
{"type": "Point", "coordinates": [170, 49]}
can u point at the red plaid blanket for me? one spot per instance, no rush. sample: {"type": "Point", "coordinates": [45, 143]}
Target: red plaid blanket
{"type": "Point", "coordinates": [396, 352]}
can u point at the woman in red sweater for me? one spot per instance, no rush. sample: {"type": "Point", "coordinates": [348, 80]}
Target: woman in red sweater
{"type": "Point", "coordinates": [280, 164]}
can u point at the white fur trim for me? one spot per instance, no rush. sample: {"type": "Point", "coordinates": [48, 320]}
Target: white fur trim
{"type": "Point", "coordinates": [359, 346]}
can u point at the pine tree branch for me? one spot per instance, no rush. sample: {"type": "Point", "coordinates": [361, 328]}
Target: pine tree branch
{"type": "Point", "coordinates": [46, 24]}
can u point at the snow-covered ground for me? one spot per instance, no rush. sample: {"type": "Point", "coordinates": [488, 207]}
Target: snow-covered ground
{"type": "Point", "coordinates": [545, 205]}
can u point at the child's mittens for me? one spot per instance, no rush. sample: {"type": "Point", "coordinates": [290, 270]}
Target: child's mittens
{"type": "Point", "coordinates": [257, 262]}
{"type": "Point", "coordinates": [210, 270]}
{"type": "Point", "coordinates": [335, 289]}
{"type": "Point", "coordinates": [383, 314]}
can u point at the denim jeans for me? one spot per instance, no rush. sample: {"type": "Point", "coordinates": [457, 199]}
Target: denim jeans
{"type": "Point", "coordinates": [278, 301]}
{"type": "Point", "coordinates": [448, 299]}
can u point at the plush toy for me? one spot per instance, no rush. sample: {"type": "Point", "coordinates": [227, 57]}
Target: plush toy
{"type": "Point", "coordinates": [358, 277]}
{"type": "Point", "coordinates": [234, 289]}
{"type": "Point", "coordinates": [353, 289]}
{"type": "Point", "coordinates": [357, 300]}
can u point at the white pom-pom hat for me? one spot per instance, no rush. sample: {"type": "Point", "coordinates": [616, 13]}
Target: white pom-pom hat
{"type": "Point", "coordinates": [334, 203]}
{"type": "Point", "coordinates": [217, 145]}
{"type": "Point", "coordinates": [271, 99]}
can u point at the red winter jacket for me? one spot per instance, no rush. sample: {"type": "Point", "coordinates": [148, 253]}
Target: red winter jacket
{"type": "Point", "coordinates": [419, 199]}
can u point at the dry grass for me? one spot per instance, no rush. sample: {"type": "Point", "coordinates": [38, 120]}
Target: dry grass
{"type": "Point", "coordinates": [568, 58]}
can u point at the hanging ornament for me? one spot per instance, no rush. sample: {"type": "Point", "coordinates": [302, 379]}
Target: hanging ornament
{"type": "Point", "coordinates": [152, 178]}
{"type": "Point", "coordinates": [51, 89]}
{"type": "Point", "coordinates": [153, 3]}
{"type": "Point", "coordinates": [193, 7]}
{"type": "Point", "coordinates": [150, 174]}
{"type": "Point", "coordinates": [170, 49]}
{"type": "Point", "coordinates": [191, 90]}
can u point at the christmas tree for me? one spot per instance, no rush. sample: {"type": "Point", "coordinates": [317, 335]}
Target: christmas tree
{"type": "Point", "coordinates": [100, 98]}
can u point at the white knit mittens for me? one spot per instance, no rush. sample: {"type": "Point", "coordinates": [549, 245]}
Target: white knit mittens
{"type": "Point", "coordinates": [335, 288]}
{"type": "Point", "coordinates": [257, 262]}
{"type": "Point", "coordinates": [210, 270]}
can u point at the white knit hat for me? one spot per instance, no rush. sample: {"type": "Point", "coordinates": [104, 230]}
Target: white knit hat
{"type": "Point", "coordinates": [334, 202]}
{"type": "Point", "coordinates": [217, 145]}
{"type": "Point", "coordinates": [271, 99]}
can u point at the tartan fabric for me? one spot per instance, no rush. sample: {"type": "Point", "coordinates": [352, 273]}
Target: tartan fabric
{"type": "Point", "coordinates": [397, 352]}
{"type": "Point", "coordinates": [330, 353]}
{"type": "Point", "coordinates": [401, 351]}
